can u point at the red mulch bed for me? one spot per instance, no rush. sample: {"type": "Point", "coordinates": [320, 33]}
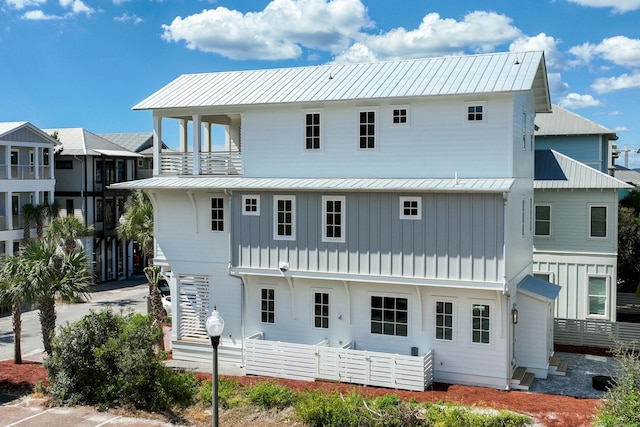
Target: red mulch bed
{"type": "Point", "coordinates": [546, 409]}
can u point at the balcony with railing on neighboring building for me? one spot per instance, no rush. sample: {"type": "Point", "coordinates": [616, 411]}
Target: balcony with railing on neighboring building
{"type": "Point", "coordinates": [203, 163]}
{"type": "Point", "coordinates": [3, 222]}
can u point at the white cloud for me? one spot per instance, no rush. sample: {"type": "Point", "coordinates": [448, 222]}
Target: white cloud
{"type": "Point", "coordinates": [478, 31]}
{"type": "Point", "coordinates": [574, 101]}
{"type": "Point", "coordinates": [620, 50]}
{"type": "Point", "coordinates": [21, 4]}
{"type": "Point", "coordinates": [38, 15]}
{"type": "Point", "coordinates": [548, 44]}
{"type": "Point", "coordinates": [126, 17]}
{"type": "Point", "coordinates": [277, 32]}
{"type": "Point", "coordinates": [621, 129]}
{"type": "Point", "coordinates": [556, 84]}
{"type": "Point", "coordinates": [620, 6]}
{"type": "Point", "coordinates": [77, 6]}
{"type": "Point", "coordinates": [611, 84]}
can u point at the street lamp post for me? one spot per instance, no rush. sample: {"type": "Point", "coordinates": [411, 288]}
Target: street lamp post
{"type": "Point", "coordinates": [215, 326]}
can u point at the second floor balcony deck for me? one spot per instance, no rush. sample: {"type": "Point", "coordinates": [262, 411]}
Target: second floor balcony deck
{"type": "Point", "coordinates": [24, 172]}
{"type": "Point", "coordinates": [203, 163]}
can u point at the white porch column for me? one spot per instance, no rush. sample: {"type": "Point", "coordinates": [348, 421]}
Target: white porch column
{"type": "Point", "coordinates": [37, 162]}
{"type": "Point", "coordinates": [9, 210]}
{"type": "Point", "coordinates": [157, 144]}
{"type": "Point", "coordinates": [51, 165]}
{"type": "Point", "coordinates": [7, 156]}
{"type": "Point", "coordinates": [207, 137]}
{"type": "Point", "coordinates": [197, 142]}
{"type": "Point", "coordinates": [184, 136]}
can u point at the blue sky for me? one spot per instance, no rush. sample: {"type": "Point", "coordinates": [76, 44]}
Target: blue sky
{"type": "Point", "coordinates": [85, 63]}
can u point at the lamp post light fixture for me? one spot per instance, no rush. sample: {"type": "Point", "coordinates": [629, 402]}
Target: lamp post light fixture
{"type": "Point", "coordinates": [215, 326]}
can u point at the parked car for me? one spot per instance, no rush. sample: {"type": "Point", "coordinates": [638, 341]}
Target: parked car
{"type": "Point", "coordinates": [166, 304]}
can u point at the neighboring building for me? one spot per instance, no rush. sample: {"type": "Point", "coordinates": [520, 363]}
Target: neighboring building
{"type": "Point", "coordinates": [576, 235]}
{"type": "Point", "coordinates": [141, 143]}
{"type": "Point", "coordinates": [363, 218]}
{"type": "Point", "coordinates": [84, 168]}
{"type": "Point", "coordinates": [630, 176]}
{"type": "Point", "coordinates": [26, 177]}
{"type": "Point", "coordinates": [577, 137]}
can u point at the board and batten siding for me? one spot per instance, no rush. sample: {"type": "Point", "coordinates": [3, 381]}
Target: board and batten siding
{"type": "Point", "coordinates": [571, 272]}
{"type": "Point", "coordinates": [459, 237]}
{"type": "Point", "coordinates": [437, 142]}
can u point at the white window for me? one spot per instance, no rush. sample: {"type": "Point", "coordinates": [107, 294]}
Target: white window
{"type": "Point", "coordinates": [544, 275]}
{"type": "Point", "coordinates": [321, 310]}
{"type": "Point", "coordinates": [367, 130]}
{"type": "Point", "coordinates": [542, 221]}
{"type": "Point", "coordinates": [284, 217]}
{"type": "Point", "coordinates": [481, 323]}
{"type": "Point", "coordinates": [389, 315]}
{"type": "Point", "coordinates": [524, 130]}
{"type": "Point", "coordinates": [598, 222]}
{"type": "Point", "coordinates": [598, 296]}
{"type": "Point", "coordinates": [523, 217]}
{"type": "Point", "coordinates": [476, 112]}
{"type": "Point", "coordinates": [268, 305]}
{"type": "Point", "coordinates": [333, 219]}
{"type": "Point", "coordinates": [217, 214]}
{"type": "Point", "coordinates": [444, 320]}
{"type": "Point", "coordinates": [410, 208]}
{"type": "Point", "coordinates": [250, 204]}
{"type": "Point", "coordinates": [312, 129]}
{"type": "Point", "coordinates": [400, 115]}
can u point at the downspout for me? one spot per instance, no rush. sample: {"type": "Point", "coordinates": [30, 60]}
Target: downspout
{"type": "Point", "coordinates": [505, 291]}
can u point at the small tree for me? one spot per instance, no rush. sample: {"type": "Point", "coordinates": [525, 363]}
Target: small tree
{"type": "Point", "coordinates": [53, 273]}
{"type": "Point", "coordinates": [66, 230]}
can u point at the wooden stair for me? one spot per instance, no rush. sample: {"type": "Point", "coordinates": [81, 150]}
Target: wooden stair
{"type": "Point", "coordinates": [521, 379]}
{"type": "Point", "coordinates": [557, 366]}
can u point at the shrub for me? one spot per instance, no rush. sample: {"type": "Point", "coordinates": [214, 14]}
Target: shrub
{"type": "Point", "coordinates": [621, 405]}
{"type": "Point", "coordinates": [109, 359]}
{"type": "Point", "coordinates": [270, 395]}
{"type": "Point", "coordinates": [318, 410]}
{"type": "Point", "coordinates": [228, 390]}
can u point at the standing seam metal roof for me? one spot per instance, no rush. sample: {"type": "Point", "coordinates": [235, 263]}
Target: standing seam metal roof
{"type": "Point", "coordinates": [473, 74]}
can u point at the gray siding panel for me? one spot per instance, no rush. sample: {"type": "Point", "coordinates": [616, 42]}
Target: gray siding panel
{"type": "Point", "coordinates": [460, 237]}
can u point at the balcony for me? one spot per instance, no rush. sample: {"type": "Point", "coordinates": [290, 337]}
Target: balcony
{"type": "Point", "coordinates": [210, 163]}
{"type": "Point", "coordinates": [24, 172]}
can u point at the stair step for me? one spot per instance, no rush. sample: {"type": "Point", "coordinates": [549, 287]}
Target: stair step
{"type": "Point", "coordinates": [524, 383]}
{"type": "Point", "coordinates": [554, 361]}
{"type": "Point", "coordinates": [518, 375]}
{"type": "Point", "coordinates": [560, 370]}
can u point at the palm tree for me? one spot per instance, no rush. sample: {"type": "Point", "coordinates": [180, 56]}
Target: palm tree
{"type": "Point", "coordinates": [66, 230]}
{"type": "Point", "coordinates": [14, 290]}
{"type": "Point", "coordinates": [137, 224]}
{"type": "Point", "coordinates": [30, 213]}
{"type": "Point", "coordinates": [137, 221]}
{"type": "Point", "coordinates": [51, 273]}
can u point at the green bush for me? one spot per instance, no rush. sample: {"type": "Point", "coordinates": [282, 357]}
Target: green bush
{"type": "Point", "coordinates": [270, 395]}
{"type": "Point", "coordinates": [110, 359]}
{"type": "Point", "coordinates": [621, 406]}
{"type": "Point", "coordinates": [228, 390]}
{"type": "Point", "coordinates": [331, 409]}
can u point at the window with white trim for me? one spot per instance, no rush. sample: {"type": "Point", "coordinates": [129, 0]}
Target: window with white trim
{"type": "Point", "coordinates": [321, 310]}
{"type": "Point", "coordinates": [597, 296]}
{"type": "Point", "coordinates": [217, 214]}
{"type": "Point", "coordinates": [312, 129]}
{"type": "Point", "coordinates": [268, 305]}
{"type": "Point", "coordinates": [389, 315]}
{"type": "Point", "coordinates": [444, 320]}
{"type": "Point", "coordinates": [284, 217]}
{"type": "Point", "coordinates": [597, 221]}
{"type": "Point", "coordinates": [480, 323]}
{"type": "Point", "coordinates": [250, 204]}
{"type": "Point", "coordinates": [400, 115]}
{"type": "Point", "coordinates": [476, 112]}
{"type": "Point", "coordinates": [367, 130]}
{"type": "Point", "coordinates": [333, 219]}
{"type": "Point", "coordinates": [410, 208]}
{"type": "Point", "coordinates": [542, 221]}
{"type": "Point", "coordinates": [544, 275]}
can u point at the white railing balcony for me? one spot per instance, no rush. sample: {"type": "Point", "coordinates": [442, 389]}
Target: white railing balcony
{"type": "Point", "coordinates": [3, 172]}
{"type": "Point", "coordinates": [44, 172]}
{"type": "Point", "coordinates": [3, 222]}
{"type": "Point", "coordinates": [211, 163]}
{"type": "Point", "coordinates": [23, 172]}
{"type": "Point", "coordinates": [144, 173]}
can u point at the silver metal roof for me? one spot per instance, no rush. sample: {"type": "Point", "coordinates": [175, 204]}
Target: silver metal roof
{"type": "Point", "coordinates": [321, 184]}
{"type": "Point", "coordinates": [454, 75]}
{"type": "Point", "coordinates": [81, 142]}
{"type": "Point", "coordinates": [557, 171]}
{"type": "Point", "coordinates": [564, 122]}
{"type": "Point", "coordinates": [630, 176]}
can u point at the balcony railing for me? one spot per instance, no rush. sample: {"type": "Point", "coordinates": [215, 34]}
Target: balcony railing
{"type": "Point", "coordinates": [211, 163]}
{"type": "Point", "coordinates": [25, 172]}
{"type": "Point", "coordinates": [3, 222]}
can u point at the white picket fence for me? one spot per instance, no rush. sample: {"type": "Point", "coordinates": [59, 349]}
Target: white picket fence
{"type": "Point", "coordinates": [320, 362]}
